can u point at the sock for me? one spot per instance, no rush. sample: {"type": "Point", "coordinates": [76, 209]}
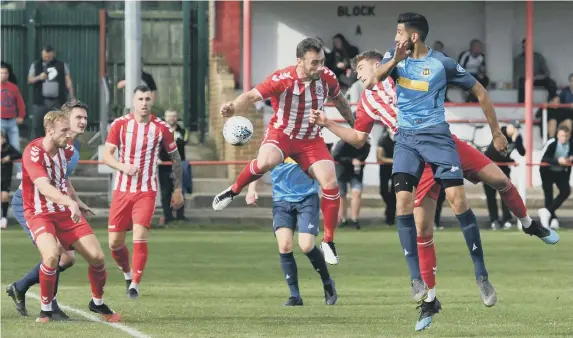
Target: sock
{"type": "Point", "coordinates": [139, 259]}
{"type": "Point", "coordinates": [431, 295]}
{"type": "Point", "coordinates": [319, 264]}
{"type": "Point", "coordinates": [473, 241]}
{"type": "Point", "coordinates": [250, 173]}
{"type": "Point", "coordinates": [47, 283]}
{"type": "Point", "coordinates": [97, 276]}
{"type": "Point", "coordinates": [427, 258]}
{"type": "Point", "coordinates": [121, 257]}
{"type": "Point", "coordinates": [31, 278]}
{"type": "Point", "coordinates": [510, 196]}
{"type": "Point", "coordinates": [329, 206]}
{"type": "Point", "coordinates": [288, 264]}
{"type": "Point", "coordinates": [5, 209]}
{"type": "Point", "coordinates": [407, 234]}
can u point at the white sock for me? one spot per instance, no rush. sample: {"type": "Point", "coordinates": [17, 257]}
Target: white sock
{"type": "Point", "coordinates": [134, 286]}
{"type": "Point", "coordinates": [431, 295]}
{"type": "Point", "coordinates": [526, 221]}
{"type": "Point", "coordinates": [46, 307]}
{"type": "Point", "coordinates": [127, 275]}
{"type": "Point", "coordinates": [98, 301]}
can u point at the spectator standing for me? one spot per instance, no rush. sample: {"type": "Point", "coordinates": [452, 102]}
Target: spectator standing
{"type": "Point", "coordinates": [11, 76]}
{"type": "Point", "coordinates": [514, 141]}
{"type": "Point", "coordinates": [384, 155]}
{"type": "Point", "coordinates": [52, 83]}
{"type": "Point", "coordinates": [540, 75]}
{"type": "Point", "coordinates": [350, 171]}
{"type": "Point", "coordinates": [166, 171]}
{"type": "Point", "coordinates": [13, 109]}
{"type": "Point", "coordinates": [558, 152]}
{"type": "Point", "coordinates": [473, 61]}
{"type": "Point", "coordinates": [439, 46]}
{"type": "Point", "coordinates": [342, 55]}
{"type": "Point", "coordinates": [9, 154]}
{"type": "Point", "coordinates": [558, 116]}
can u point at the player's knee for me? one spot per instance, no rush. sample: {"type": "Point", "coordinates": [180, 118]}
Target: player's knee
{"type": "Point", "coordinates": [285, 247]}
{"type": "Point", "coordinates": [115, 244]}
{"type": "Point", "coordinates": [457, 199]}
{"type": "Point", "coordinates": [424, 228]}
{"type": "Point", "coordinates": [330, 183]}
{"type": "Point", "coordinates": [96, 258]}
{"type": "Point", "coordinates": [67, 261]}
{"type": "Point", "coordinates": [306, 242]}
{"type": "Point", "coordinates": [51, 258]}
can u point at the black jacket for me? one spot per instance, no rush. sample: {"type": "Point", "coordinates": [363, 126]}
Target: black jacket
{"type": "Point", "coordinates": [60, 78]}
{"type": "Point", "coordinates": [495, 156]}
{"type": "Point", "coordinates": [549, 156]}
{"type": "Point", "coordinates": [343, 153]}
{"type": "Point", "coordinates": [9, 150]}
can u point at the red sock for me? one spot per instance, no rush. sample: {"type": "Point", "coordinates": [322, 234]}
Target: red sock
{"type": "Point", "coordinates": [427, 259]}
{"type": "Point", "coordinates": [97, 276]}
{"type": "Point", "coordinates": [47, 286]}
{"type": "Point", "coordinates": [139, 259]}
{"type": "Point", "coordinates": [510, 196]}
{"type": "Point", "coordinates": [329, 206]}
{"type": "Point", "coordinates": [121, 257]}
{"type": "Point", "coordinates": [249, 174]}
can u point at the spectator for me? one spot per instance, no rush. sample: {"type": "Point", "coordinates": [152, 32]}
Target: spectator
{"type": "Point", "coordinates": [166, 171]}
{"type": "Point", "coordinates": [146, 80]}
{"type": "Point", "coordinates": [439, 46]}
{"type": "Point", "coordinates": [349, 171]}
{"type": "Point", "coordinates": [9, 154]}
{"type": "Point", "coordinates": [343, 52]}
{"type": "Point", "coordinates": [558, 116]}
{"type": "Point", "coordinates": [11, 75]}
{"type": "Point", "coordinates": [52, 83]}
{"type": "Point", "coordinates": [514, 141]}
{"type": "Point", "coordinates": [384, 155]}
{"type": "Point", "coordinates": [559, 153]}
{"type": "Point", "coordinates": [540, 75]}
{"type": "Point", "coordinates": [13, 109]}
{"type": "Point", "coordinates": [473, 61]}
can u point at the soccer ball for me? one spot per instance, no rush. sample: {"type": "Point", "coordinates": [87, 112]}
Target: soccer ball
{"type": "Point", "coordinates": [238, 131]}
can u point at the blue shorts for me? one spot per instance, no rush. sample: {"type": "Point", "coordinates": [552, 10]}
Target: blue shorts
{"type": "Point", "coordinates": [303, 215]}
{"type": "Point", "coordinates": [433, 145]}
{"type": "Point", "coordinates": [18, 212]}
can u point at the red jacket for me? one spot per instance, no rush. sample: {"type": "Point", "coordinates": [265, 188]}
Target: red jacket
{"type": "Point", "coordinates": [12, 103]}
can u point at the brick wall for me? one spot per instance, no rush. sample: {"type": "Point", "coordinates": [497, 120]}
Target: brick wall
{"type": "Point", "coordinates": [228, 34]}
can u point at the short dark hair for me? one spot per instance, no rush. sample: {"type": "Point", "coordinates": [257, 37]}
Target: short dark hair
{"type": "Point", "coordinates": [564, 128]}
{"type": "Point", "coordinates": [48, 49]}
{"type": "Point", "coordinates": [367, 55]}
{"type": "Point", "coordinates": [68, 106]}
{"type": "Point", "coordinates": [142, 88]}
{"type": "Point", "coordinates": [415, 21]}
{"type": "Point", "coordinates": [306, 45]}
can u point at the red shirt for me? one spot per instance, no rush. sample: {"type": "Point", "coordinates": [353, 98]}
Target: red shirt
{"type": "Point", "coordinates": [292, 100]}
{"type": "Point", "coordinates": [12, 103]}
{"type": "Point", "coordinates": [37, 163]}
{"type": "Point", "coordinates": [377, 104]}
{"type": "Point", "coordinates": [139, 144]}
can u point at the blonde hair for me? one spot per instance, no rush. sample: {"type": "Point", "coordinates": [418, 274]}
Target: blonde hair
{"type": "Point", "coordinates": [53, 116]}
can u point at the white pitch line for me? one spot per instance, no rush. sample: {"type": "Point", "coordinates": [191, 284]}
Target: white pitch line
{"type": "Point", "coordinates": [88, 316]}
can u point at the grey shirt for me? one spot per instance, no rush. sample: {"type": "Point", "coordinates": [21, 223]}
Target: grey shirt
{"type": "Point", "coordinates": [539, 67]}
{"type": "Point", "coordinates": [50, 86]}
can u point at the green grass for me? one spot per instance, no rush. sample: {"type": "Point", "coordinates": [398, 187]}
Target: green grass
{"type": "Point", "coordinates": [206, 283]}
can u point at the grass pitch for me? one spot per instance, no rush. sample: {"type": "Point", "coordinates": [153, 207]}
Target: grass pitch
{"type": "Point", "coordinates": [228, 283]}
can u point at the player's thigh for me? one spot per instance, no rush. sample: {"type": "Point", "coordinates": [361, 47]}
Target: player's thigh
{"type": "Point", "coordinates": [119, 219]}
{"type": "Point", "coordinates": [308, 221]}
{"type": "Point", "coordinates": [493, 176]}
{"type": "Point", "coordinates": [314, 158]}
{"type": "Point", "coordinates": [44, 234]}
{"type": "Point", "coordinates": [424, 214]}
{"type": "Point", "coordinates": [406, 159]}
{"type": "Point", "coordinates": [273, 150]}
{"type": "Point", "coordinates": [284, 223]}
{"type": "Point", "coordinates": [90, 249]}
{"type": "Point", "coordinates": [472, 159]}
{"type": "Point", "coordinates": [143, 209]}
{"type": "Point", "coordinates": [427, 187]}
{"type": "Point", "coordinates": [69, 232]}
{"type": "Point", "coordinates": [437, 147]}
{"type": "Point", "coordinates": [456, 196]}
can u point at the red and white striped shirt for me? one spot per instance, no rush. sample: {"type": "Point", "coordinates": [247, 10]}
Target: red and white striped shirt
{"type": "Point", "coordinates": [377, 104]}
{"type": "Point", "coordinates": [36, 164]}
{"type": "Point", "coordinates": [139, 144]}
{"type": "Point", "coordinates": [292, 100]}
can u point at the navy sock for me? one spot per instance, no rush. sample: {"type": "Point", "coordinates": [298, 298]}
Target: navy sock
{"type": "Point", "coordinates": [473, 241]}
{"type": "Point", "coordinates": [288, 264]}
{"type": "Point", "coordinates": [31, 278]}
{"type": "Point", "coordinates": [60, 269]}
{"type": "Point", "coordinates": [408, 239]}
{"type": "Point", "coordinates": [319, 264]}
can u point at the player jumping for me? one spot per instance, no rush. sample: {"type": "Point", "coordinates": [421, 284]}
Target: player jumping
{"type": "Point", "coordinates": [77, 112]}
{"type": "Point", "coordinates": [295, 91]}
{"type": "Point", "coordinates": [296, 206]}
{"type": "Point", "coordinates": [53, 216]}
{"type": "Point", "coordinates": [138, 137]}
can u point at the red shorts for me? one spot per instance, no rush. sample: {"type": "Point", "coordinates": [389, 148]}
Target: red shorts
{"type": "Point", "coordinates": [472, 162]}
{"type": "Point", "coordinates": [61, 226]}
{"type": "Point", "coordinates": [305, 152]}
{"type": "Point", "coordinates": [129, 208]}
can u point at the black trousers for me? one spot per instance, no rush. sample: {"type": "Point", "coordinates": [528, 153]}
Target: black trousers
{"type": "Point", "coordinates": [38, 113]}
{"type": "Point", "coordinates": [166, 182]}
{"type": "Point", "coordinates": [387, 192]}
{"type": "Point", "coordinates": [490, 194]}
{"type": "Point", "coordinates": [546, 83]}
{"type": "Point", "coordinates": [439, 206]}
{"type": "Point", "coordinates": [561, 180]}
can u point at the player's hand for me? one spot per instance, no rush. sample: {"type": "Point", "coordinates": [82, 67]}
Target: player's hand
{"type": "Point", "coordinates": [500, 143]}
{"type": "Point", "coordinates": [76, 213]}
{"type": "Point", "coordinates": [252, 197]}
{"type": "Point", "coordinates": [86, 211]}
{"type": "Point", "coordinates": [228, 109]}
{"type": "Point", "coordinates": [130, 169]}
{"type": "Point", "coordinates": [402, 52]}
{"type": "Point", "coordinates": [318, 117]}
{"type": "Point", "coordinates": [177, 199]}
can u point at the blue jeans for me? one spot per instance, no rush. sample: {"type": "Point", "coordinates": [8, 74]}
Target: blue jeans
{"type": "Point", "coordinates": [10, 128]}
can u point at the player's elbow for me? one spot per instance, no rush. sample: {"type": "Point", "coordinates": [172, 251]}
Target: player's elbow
{"type": "Point", "coordinates": [252, 96]}
{"type": "Point", "coordinates": [360, 140]}
{"type": "Point", "coordinates": [480, 92]}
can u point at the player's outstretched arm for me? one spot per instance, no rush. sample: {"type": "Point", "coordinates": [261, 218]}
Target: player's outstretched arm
{"type": "Point", "coordinates": [500, 142]}
{"type": "Point", "coordinates": [349, 135]}
{"type": "Point", "coordinates": [252, 195]}
{"type": "Point", "coordinates": [343, 108]}
{"type": "Point", "coordinates": [241, 103]}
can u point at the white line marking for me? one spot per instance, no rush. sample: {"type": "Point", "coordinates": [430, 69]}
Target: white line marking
{"type": "Point", "coordinates": [88, 316]}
